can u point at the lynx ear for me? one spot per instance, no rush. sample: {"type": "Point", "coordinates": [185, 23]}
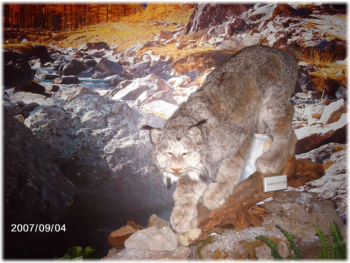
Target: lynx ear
{"type": "Point", "coordinates": [194, 132]}
{"type": "Point", "coordinates": [155, 133]}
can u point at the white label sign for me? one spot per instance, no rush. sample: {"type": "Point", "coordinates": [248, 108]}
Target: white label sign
{"type": "Point", "coordinates": [275, 183]}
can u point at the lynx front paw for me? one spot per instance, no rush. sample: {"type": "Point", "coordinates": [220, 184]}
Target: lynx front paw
{"type": "Point", "coordinates": [183, 219]}
{"type": "Point", "coordinates": [214, 196]}
{"type": "Point", "coordinates": [269, 164]}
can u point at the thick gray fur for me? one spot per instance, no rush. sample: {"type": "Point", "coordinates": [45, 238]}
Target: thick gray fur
{"type": "Point", "coordinates": [248, 93]}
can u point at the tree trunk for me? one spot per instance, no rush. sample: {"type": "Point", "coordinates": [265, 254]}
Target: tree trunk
{"type": "Point", "coordinates": [235, 212]}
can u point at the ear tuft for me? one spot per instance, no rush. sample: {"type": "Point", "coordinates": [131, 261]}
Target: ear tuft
{"type": "Point", "coordinates": [155, 133]}
{"type": "Point", "coordinates": [146, 127]}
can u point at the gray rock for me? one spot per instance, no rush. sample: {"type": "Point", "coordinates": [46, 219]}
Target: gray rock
{"type": "Point", "coordinates": [153, 238]}
{"type": "Point", "coordinates": [164, 34]}
{"type": "Point", "coordinates": [138, 86]}
{"type": "Point", "coordinates": [205, 14]}
{"type": "Point", "coordinates": [66, 80]}
{"type": "Point", "coordinates": [28, 97]}
{"type": "Point", "coordinates": [35, 189]}
{"type": "Point", "coordinates": [94, 45]}
{"type": "Point", "coordinates": [161, 108]}
{"type": "Point", "coordinates": [342, 93]}
{"type": "Point", "coordinates": [73, 67]}
{"type": "Point", "coordinates": [17, 71]}
{"type": "Point", "coordinates": [109, 66]}
{"type": "Point", "coordinates": [298, 213]}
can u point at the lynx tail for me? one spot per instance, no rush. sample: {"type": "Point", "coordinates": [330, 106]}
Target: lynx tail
{"type": "Point", "coordinates": [295, 50]}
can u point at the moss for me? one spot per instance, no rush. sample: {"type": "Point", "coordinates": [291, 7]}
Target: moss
{"type": "Point", "coordinates": [202, 244]}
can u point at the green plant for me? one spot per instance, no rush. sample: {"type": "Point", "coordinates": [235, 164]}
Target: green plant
{"type": "Point", "coordinates": [273, 245]}
{"type": "Point", "coordinates": [77, 253]}
{"type": "Point", "coordinates": [338, 248]}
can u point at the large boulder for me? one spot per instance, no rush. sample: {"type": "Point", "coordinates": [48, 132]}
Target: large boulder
{"type": "Point", "coordinates": [205, 14]}
{"type": "Point", "coordinates": [17, 71]}
{"type": "Point", "coordinates": [311, 137]}
{"type": "Point", "coordinates": [98, 143]}
{"type": "Point", "coordinates": [268, 12]}
{"type": "Point", "coordinates": [93, 45]}
{"type": "Point", "coordinates": [73, 67]}
{"type": "Point", "coordinates": [140, 85]}
{"type": "Point", "coordinates": [35, 189]}
{"type": "Point", "coordinates": [109, 66]}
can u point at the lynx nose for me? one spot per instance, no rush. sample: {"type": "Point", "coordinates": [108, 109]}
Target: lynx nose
{"type": "Point", "coordinates": [175, 169]}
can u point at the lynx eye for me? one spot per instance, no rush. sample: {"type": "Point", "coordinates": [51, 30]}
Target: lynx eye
{"type": "Point", "coordinates": [184, 154]}
{"type": "Point", "coordinates": [170, 153]}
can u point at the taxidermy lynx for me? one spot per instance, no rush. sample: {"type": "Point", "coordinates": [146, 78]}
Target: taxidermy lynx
{"type": "Point", "coordinates": [204, 143]}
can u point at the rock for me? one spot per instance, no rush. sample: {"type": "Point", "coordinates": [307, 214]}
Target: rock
{"type": "Point", "coordinates": [333, 112]}
{"type": "Point", "coordinates": [30, 106]}
{"type": "Point", "coordinates": [166, 34]}
{"type": "Point", "coordinates": [333, 185]}
{"type": "Point", "coordinates": [66, 80]}
{"type": "Point", "coordinates": [35, 189]}
{"type": "Point", "coordinates": [131, 51]}
{"type": "Point", "coordinates": [28, 97]}
{"type": "Point", "coordinates": [320, 154]}
{"type": "Point", "coordinates": [298, 213]}
{"type": "Point", "coordinates": [138, 86]}
{"type": "Point", "coordinates": [268, 12]}
{"type": "Point", "coordinates": [12, 108]}
{"type": "Point", "coordinates": [17, 71]}
{"type": "Point", "coordinates": [264, 252]}
{"type": "Point", "coordinates": [118, 237]}
{"type": "Point", "coordinates": [66, 93]}
{"type": "Point", "coordinates": [115, 80]}
{"type": "Point", "coordinates": [342, 93]}
{"type": "Point", "coordinates": [157, 222]}
{"type": "Point", "coordinates": [103, 136]}
{"type": "Point", "coordinates": [109, 66]}
{"type": "Point", "coordinates": [331, 86]}
{"type": "Point", "coordinates": [232, 244]}
{"type": "Point", "coordinates": [236, 25]}
{"type": "Point", "coordinates": [73, 67]}
{"type": "Point", "coordinates": [159, 67]}
{"type": "Point", "coordinates": [178, 81]}
{"type": "Point", "coordinates": [311, 137]}
{"type": "Point", "coordinates": [153, 238]}
{"type": "Point", "coordinates": [148, 97]}
{"type": "Point", "coordinates": [181, 253]}
{"type": "Point", "coordinates": [170, 41]}
{"type": "Point", "coordinates": [20, 118]}
{"type": "Point", "coordinates": [140, 67]}
{"type": "Point", "coordinates": [84, 90]}
{"type": "Point", "coordinates": [99, 75]}
{"type": "Point", "coordinates": [205, 14]}
{"type": "Point", "coordinates": [35, 88]}
{"type": "Point", "coordinates": [337, 48]}
{"type": "Point", "coordinates": [161, 108]}
{"type": "Point", "coordinates": [232, 43]}
{"type": "Point", "coordinates": [93, 45]}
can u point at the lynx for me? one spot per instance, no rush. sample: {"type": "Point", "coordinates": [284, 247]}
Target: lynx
{"type": "Point", "coordinates": [204, 144]}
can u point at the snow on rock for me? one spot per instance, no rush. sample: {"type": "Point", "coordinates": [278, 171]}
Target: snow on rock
{"type": "Point", "coordinates": [28, 97]}
{"type": "Point", "coordinates": [333, 112]}
{"type": "Point", "coordinates": [309, 137]}
{"type": "Point", "coordinates": [140, 85]}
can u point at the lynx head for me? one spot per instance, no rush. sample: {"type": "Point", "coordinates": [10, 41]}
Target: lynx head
{"type": "Point", "coordinates": [178, 152]}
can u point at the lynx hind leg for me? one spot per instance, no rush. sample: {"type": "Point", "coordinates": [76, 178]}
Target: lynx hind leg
{"type": "Point", "coordinates": [278, 120]}
{"type": "Point", "coordinates": [228, 176]}
{"type": "Point", "coordinates": [183, 217]}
